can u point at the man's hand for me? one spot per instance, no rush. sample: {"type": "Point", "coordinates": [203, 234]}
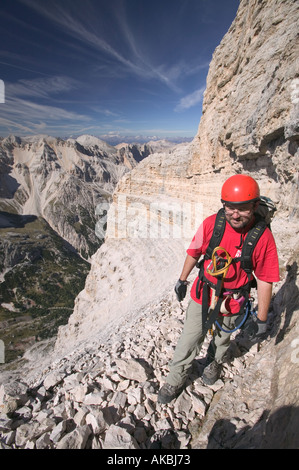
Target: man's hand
{"type": "Point", "coordinates": [181, 286]}
{"type": "Point", "coordinates": [254, 328]}
{"type": "Point", "coordinates": [181, 289]}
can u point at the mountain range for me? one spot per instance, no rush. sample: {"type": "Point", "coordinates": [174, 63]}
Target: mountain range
{"type": "Point", "coordinates": [49, 193]}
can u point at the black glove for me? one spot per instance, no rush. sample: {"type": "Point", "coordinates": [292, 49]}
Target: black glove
{"type": "Point", "coordinates": [254, 328]}
{"type": "Point", "coordinates": [181, 289]}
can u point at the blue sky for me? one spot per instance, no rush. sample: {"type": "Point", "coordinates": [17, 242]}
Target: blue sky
{"type": "Point", "coordinates": [107, 67]}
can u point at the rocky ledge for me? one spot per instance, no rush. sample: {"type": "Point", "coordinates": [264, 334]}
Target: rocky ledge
{"type": "Point", "coordinates": [105, 396]}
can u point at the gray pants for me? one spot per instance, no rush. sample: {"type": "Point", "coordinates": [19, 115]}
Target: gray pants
{"type": "Point", "coordinates": [191, 340]}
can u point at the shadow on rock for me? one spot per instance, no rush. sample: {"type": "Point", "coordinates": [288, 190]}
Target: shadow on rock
{"type": "Point", "coordinates": [277, 430]}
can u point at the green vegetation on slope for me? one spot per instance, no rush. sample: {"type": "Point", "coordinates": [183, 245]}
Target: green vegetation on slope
{"type": "Point", "coordinates": [43, 275]}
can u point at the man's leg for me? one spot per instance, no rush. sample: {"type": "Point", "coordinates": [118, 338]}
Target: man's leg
{"type": "Point", "coordinates": [222, 339]}
{"type": "Point", "coordinates": [186, 350]}
{"type": "Point", "coordinates": [188, 345]}
{"type": "Point", "coordinates": [219, 346]}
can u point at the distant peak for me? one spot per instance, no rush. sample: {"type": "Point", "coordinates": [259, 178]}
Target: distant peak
{"type": "Point", "coordinates": [90, 141]}
{"type": "Point", "coordinates": [12, 139]}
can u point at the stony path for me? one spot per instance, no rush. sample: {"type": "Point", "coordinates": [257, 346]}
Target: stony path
{"type": "Point", "coordinates": [105, 395]}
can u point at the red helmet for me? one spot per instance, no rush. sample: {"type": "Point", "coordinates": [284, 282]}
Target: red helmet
{"type": "Point", "coordinates": [239, 189]}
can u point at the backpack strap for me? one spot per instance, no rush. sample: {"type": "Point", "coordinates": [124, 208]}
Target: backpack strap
{"type": "Point", "coordinates": [249, 245]}
{"type": "Point", "coordinates": [215, 240]}
{"type": "Point", "coordinates": [218, 233]}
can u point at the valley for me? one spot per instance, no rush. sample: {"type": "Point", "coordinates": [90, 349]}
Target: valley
{"type": "Point", "coordinates": [41, 275]}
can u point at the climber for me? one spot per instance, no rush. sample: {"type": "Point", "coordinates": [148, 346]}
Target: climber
{"type": "Point", "coordinates": [224, 295]}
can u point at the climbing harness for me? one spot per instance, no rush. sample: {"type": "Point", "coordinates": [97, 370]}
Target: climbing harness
{"type": "Point", "coordinates": [218, 266]}
{"type": "Point", "coordinates": [248, 311]}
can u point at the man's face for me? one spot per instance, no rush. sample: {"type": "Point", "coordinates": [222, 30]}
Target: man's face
{"type": "Point", "coordinates": [239, 215]}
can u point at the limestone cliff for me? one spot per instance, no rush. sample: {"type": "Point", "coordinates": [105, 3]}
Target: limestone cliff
{"type": "Point", "coordinates": [250, 110]}
{"type": "Point", "coordinates": [143, 250]}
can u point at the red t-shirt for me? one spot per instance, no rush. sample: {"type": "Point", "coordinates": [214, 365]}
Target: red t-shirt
{"type": "Point", "coordinates": [264, 258]}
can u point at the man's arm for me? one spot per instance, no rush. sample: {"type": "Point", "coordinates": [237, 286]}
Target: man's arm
{"type": "Point", "coordinates": [181, 285]}
{"type": "Point", "coordinates": [189, 264]}
{"type": "Point", "coordinates": [255, 328]}
{"type": "Point", "coordinates": [264, 295]}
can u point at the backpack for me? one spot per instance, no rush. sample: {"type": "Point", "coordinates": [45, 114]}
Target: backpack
{"type": "Point", "coordinates": [263, 217]}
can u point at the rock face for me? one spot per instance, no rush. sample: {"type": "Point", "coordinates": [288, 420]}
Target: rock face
{"type": "Point", "coordinates": [124, 276]}
{"type": "Point", "coordinates": [250, 110]}
{"type": "Point", "coordinates": [121, 319]}
{"type": "Point", "coordinates": [126, 269]}
{"type": "Point", "coordinates": [132, 153]}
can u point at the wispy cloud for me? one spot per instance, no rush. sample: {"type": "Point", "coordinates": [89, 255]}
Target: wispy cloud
{"type": "Point", "coordinates": [16, 109]}
{"type": "Point", "coordinates": [42, 87]}
{"type": "Point", "coordinates": [27, 107]}
{"type": "Point", "coordinates": [106, 66]}
{"type": "Point", "coordinates": [104, 111]}
{"type": "Point", "coordinates": [20, 67]}
{"type": "Point", "coordinates": [190, 100]}
{"type": "Point", "coordinates": [126, 52]}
